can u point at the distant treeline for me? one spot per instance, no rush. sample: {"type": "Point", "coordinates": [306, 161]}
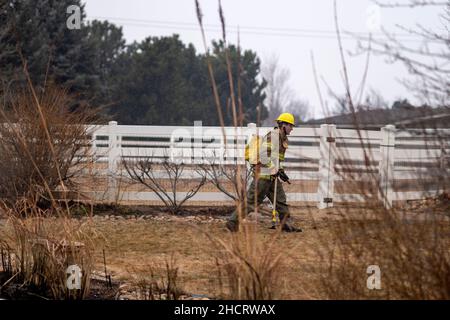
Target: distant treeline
{"type": "Point", "coordinates": [159, 81]}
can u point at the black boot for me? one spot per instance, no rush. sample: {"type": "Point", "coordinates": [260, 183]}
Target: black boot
{"type": "Point", "coordinates": [232, 226]}
{"type": "Point", "coordinates": [288, 228]}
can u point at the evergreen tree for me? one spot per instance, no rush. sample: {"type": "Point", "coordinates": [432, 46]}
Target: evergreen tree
{"type": "Point", "coordinates": [163, 81]}
{"type": "Point", "coordinates": [108, 43]}
{"type": "Point", "coordinates": [160, 80]}
{"type": "Point", "coordinates": [247, 66]}
{"type": "Point", "coordinates": [154, 83]}
{"type": "Point", "coordinates": [53, 52]}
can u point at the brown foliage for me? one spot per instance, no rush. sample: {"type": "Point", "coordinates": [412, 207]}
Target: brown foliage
{"type": "Point", "coordinates": [41, 143]}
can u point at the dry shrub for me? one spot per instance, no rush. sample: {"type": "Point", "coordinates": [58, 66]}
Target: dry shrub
{"type": "Point", "coordinates": [42, 148]}
{"type": "Point", "coordinates": [144, 172]}
{"type": "Point", "coordinates": [221, 174]}
{"type": "Point", "coordinates": [42, 142]}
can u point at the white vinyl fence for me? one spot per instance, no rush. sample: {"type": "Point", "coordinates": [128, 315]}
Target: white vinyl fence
{"type": "Point", "coordinates": [326, 164]}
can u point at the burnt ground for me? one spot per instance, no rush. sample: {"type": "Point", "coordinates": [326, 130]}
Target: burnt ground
{"type": "Point", "coordinates": [99, 290]}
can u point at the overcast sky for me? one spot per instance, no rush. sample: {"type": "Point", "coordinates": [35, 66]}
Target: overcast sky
{"type": "Point", "coordinates": [289, 29]}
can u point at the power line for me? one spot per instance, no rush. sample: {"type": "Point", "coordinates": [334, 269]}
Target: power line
{"type": "Point", "coordinates": [167, 22]}
{"type": "Point", "coordinates": [234, 31]}
{"type": "Point", "coordinates": [251, 30]}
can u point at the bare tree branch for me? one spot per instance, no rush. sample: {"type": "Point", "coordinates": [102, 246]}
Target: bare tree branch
{"type": "Point", "coordinates": [220, 174]}
{"type": "Point", "coordinates": [429, 64]}
{"type": "Point", "coordinates": [279, 96]}
{"type": "Point", "coordinates": [411, 4]}
{"type": "Point", "coordinates": [144, 171]}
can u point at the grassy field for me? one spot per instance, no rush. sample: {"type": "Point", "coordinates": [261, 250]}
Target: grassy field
{"type": "Point", "coordinates": [138, 247]}
{"type": "Point", "coordinates": [134, 247]}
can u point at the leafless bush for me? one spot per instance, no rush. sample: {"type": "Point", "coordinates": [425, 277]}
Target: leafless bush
{"type": "Point", "coordinates": [152, 174]}
{"type": "Point", "coordinates": [42, 143]}
{"type": "Point", "coordinates": [225, 177]}
{"type": "Point", "coordinates": [42, 148]}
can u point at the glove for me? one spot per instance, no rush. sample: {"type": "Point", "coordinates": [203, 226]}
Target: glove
{"type": "Point", "coordinates": [274, 172]}
{"type": "Point", "coordinates": [283, 176]}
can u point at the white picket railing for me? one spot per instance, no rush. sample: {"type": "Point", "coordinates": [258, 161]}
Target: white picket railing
{"type": "Point", "coordinates": [319, 154]}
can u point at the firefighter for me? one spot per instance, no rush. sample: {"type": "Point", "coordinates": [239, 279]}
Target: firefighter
{"type": "Point", "coordinates": [266, 171]}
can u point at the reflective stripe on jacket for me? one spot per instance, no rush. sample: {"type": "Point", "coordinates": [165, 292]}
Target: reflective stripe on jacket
{"type": "Point", "coordinates": [275, 156]}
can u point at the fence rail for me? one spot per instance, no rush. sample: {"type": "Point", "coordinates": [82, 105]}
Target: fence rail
{"type": "Point", "coordinates": [326, 164]}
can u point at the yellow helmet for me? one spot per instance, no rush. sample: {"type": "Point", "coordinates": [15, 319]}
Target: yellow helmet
{"type": "Point", "coordinates": [287, 117]}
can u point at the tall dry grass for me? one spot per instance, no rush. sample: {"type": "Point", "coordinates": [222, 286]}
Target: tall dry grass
{"type": "Point", "coordinates": [43, 148]}
{"type": "Point", "coordinates": [412, 253]}
{"type": "Point", "coordinates": [158, 281]}
{"type": "Point", "coordinates": [39, 247]}
{"type": "Point", "coordinates": [410, 246]}
{"type": "Point", "coordinates": [247, 268]}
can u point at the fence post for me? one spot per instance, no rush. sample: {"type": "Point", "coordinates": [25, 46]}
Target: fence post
{"type": "Point", "coordinates": [325, 191]}
{"type": "Point", "coordinates": [93, 150]}
{"type": "Point", "coordinates": [386, 166]}
{"type": "Point", "coordinates": [113, 158]}
{"type": "Point", "coordinates": [251, 131]}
